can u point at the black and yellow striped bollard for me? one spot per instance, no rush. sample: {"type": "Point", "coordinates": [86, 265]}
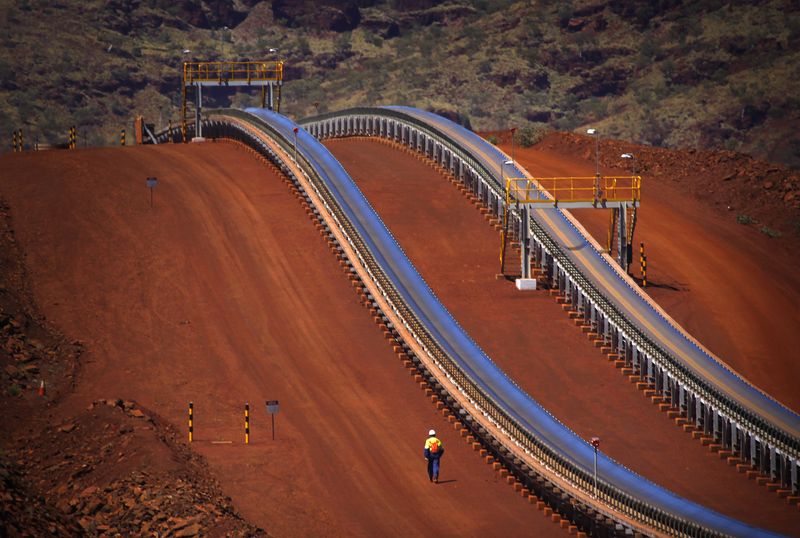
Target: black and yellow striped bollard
{"type": "Point", "coordinates": [643, 264]}
{"type": "Point", "coordinates": [247, 423]}
{"type": "Point", "coordinates": [191, 421]}
{"type": "Point", "coordinates": [14, 141]}
{"type": "Point", "coordinates": [169, 131]}
{"type": "Point", "coordinates": [122, 138]}
{"type": "Point", "coordinates": [644, 272]}
{"type": "Point", "coordinates": [21, 141]}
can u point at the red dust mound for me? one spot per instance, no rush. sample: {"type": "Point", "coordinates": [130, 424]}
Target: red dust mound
{"type": "Point", "coordinates": [534, 341]}
{"type": "Point", "coordinates": [111, 468]}
{"type": "Point", "coordinates": [224, 293]}
{"type": "Point", "coordinates": [732, 287]}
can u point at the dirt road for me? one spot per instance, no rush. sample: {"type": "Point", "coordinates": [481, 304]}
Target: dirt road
{"type": "Point", "coordinates": [223, 293]}
{"type": "Point", "coordinates": [529, 336]}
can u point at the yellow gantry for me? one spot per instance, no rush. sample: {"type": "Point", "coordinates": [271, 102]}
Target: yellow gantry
{"type": "Point", "coordinates": [233, 73]}
{"type": "Point", "coordinates": [268, 75]}
{"type": "Point", "coordinates": [571, 192]}
{"type": "Point", "coordinates": [589, 190]}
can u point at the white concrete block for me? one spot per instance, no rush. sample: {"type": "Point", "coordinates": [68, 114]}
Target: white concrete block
{"type": "Point", "coordinates": [526, 284]}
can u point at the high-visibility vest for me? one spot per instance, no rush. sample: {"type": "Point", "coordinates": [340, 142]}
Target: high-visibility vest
{"type": "Point", "coordinates": [430, 442]}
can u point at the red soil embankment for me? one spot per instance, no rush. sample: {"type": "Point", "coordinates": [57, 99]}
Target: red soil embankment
{"type": "Point", "coordinates": [533, 340]}
{"type": "Point", "coordinates": [224, 293]}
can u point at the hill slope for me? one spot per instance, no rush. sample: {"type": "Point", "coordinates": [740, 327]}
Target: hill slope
{"type": "Point", "coordinates": [225, 293]}
{"type": "Point", "coordinates": [702, 74]}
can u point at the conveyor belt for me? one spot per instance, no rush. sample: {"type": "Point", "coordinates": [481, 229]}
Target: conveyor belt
{"type": "Point", "coordinates": [635, 306]}
{"type": "Point", "coordinates": [523, 418]}
{"type": "Point", "coordinates": [707, 393]}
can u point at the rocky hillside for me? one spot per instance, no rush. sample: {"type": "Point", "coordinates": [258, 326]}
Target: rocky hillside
{"type": "Point", "coordinates": [111, 469]}
{"type": "Point", "coordinates": [705, 74]}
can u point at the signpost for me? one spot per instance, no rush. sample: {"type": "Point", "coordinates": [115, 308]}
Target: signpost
{"type": "Point", "coordinates": [151, 184]}
{"type": "Point", "coordinates": [272, 409]}
{"type": "Point", "coordinates": [596, 445]}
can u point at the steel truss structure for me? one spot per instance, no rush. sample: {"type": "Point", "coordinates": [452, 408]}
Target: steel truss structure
{"type": "Point", "coordinates": [771, 444]}
{"type": "Point", "coordinates": [715, 411]}
{"type": "Point", "coordinates": [268, 75]}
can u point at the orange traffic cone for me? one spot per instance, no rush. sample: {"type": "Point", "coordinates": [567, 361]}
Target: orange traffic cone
{"type": "Point", "coordinates": [42, 389]}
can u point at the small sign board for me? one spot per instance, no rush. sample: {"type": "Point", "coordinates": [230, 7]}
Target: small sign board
{"type": "Point", "coordinates": [272, 407]}
{"type": "Point", "coordinates": [151, 182]}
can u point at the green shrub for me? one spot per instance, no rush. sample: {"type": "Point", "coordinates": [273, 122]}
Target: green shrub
{"type": "Point", "coordinates": [343, 44]}
{"type": "Point", "coordinates": [769, 232]}
{"type": "Point", "coordinates": [120, 73]}
{"type": "Point", "coordinates": [6, 71]}
{"type": "Point", "coordinates": [529, 135]}
{"type": "Point", "coordinates": [493, 139]}
{"type": "Point", "coordinates": [118, 109]}
{"type": "Point", "coordinates": [14, 390]}
{"type": "Point", "coordinates": [303, 46]}
{"type": "Point", "coordinates": [744, 219]}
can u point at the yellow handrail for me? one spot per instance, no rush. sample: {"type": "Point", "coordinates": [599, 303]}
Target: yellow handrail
{"type": "Point", "coordinates": [194, 72]}
{"type": "Point", "coordinates": [547, 190]}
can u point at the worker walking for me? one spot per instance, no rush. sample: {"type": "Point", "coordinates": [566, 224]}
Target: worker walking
{"type": "Point", "coordinates": [433, 453]}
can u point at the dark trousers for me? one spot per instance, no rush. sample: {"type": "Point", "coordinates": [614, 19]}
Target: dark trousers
{"type": "Point", "coordinates": [433, 468]}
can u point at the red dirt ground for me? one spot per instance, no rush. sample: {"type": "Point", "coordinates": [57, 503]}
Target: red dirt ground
{"type": "Point", "coordinates": [529, 335]}
{"type": "Point", "coordinates": [225, 293]}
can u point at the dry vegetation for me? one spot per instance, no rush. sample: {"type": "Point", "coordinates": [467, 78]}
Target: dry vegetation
{"type": "Point", "coordinates": [704, 75]}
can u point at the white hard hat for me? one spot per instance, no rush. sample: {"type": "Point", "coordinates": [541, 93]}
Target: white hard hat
{"type": "Point", "coordinates": [432, 432]}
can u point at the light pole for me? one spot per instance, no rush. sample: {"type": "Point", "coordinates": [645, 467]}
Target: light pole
{"type": "Point", "coordinates": [513, 131]}
{"type": "Point", "coordinates": [186, 53]}
{"type": "Point", "coordinates": [221, 44]}
{"type": "Point", "coordinates": [188, 58]}
{"type": "Point", "coordinates": [184, 127]}
{"type": "Point", "coordinates": [597, 194]}
{"type": "Point", "coordinates": [502, 174]}
{"type": "Point", "coordinates": [596, 445]}
{"type": "Point", "coordinates": [592, 131]}
{"type": "Point", "coordinates": [505, 215]}
{"type": "Point", "coordinates": [506, 183]}
{"type": "Point", "coordinates": [505, 163]}
{"type": "Point", "coordinates": [633, 160]}
{"type": "Point", "coordinates": [295, 145]}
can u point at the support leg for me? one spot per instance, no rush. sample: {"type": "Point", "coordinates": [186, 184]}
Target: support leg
{"type": "Point", "coordinates": [525, 242]}
{"type": "Point", "coordinates": [198, 127]}
{"type": "Point", "coordinates": [622, 247]}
